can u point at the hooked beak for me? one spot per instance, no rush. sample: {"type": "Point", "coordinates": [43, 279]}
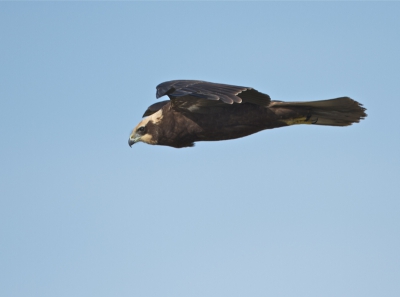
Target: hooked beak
{"type": "Point", "coordinates": [131, 142]}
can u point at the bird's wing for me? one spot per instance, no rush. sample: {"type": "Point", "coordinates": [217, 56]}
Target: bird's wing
{"type": "Point", "coordinates": [201, 96]}
{"type": "Point", "coordinates": [154, 108]}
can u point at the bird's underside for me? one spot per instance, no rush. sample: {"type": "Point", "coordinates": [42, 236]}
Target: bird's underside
{"type": "Point", "coordinates": [204, 111]}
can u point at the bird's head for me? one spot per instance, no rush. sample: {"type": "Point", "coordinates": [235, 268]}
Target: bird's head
{"type": "Point", "coordinates": [147, 130]}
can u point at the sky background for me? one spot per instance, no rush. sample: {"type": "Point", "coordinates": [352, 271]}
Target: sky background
{"type": "Point", "coordinates": [299, 211]}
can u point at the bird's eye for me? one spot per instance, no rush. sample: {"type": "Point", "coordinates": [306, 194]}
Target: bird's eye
{"type": "Point", "coordinates": [141, 129]}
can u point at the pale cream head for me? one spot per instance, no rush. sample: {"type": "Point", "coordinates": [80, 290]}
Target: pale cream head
{"type": "Point", "coordinates": [142, 132]}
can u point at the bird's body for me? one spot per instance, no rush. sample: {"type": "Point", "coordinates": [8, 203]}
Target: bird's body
{"type": "Point", "coordinates": [233, 121]}
{"type": "Point", "coordinates": [203, 111]}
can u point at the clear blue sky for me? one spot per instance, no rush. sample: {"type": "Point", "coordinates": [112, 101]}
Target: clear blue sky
{"type": "Point", "coordinates": [299, 211]}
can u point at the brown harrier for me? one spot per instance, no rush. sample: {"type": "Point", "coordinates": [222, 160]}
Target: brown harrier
{"type": "Point", "coordinates": [205, 111]}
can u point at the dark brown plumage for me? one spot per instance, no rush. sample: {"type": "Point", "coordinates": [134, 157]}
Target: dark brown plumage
{"type": "Point", "coordinates": [204, 111]}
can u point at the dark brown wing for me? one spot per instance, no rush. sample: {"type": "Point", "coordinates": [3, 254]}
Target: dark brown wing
{"type": "Point", "coordinates": [154, 108]}
{"type": "Point", "coordinates": [201, 96]}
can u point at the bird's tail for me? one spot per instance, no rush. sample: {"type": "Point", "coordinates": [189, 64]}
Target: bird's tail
{"type": "Point", "coordinates": [342, 111]}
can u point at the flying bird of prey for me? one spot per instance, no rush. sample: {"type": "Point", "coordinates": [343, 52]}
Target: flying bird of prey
{"type": "Point", "coordinates": [205, 111]}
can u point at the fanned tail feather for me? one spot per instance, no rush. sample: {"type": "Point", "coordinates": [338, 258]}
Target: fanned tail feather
{"type": "Point", "coordinates": [342, 111]}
